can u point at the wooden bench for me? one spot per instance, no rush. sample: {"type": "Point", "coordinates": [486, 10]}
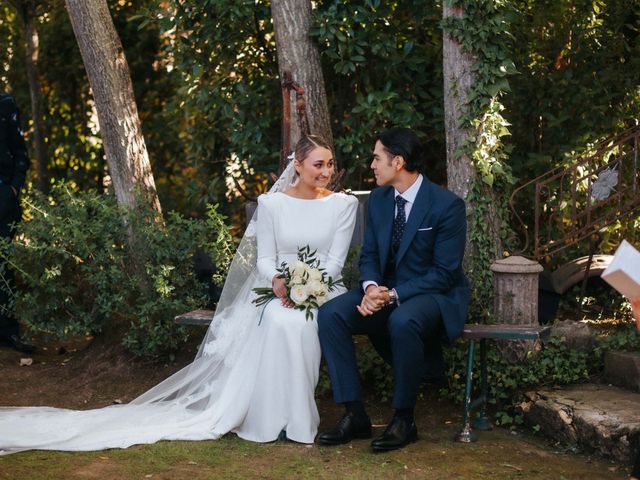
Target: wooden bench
{"type": "Point", "coordinates": [472, 333]}
{"type": "Point", "coordinates": [484, 333]}
{"type": "Point", "coordinates": [197, 317]}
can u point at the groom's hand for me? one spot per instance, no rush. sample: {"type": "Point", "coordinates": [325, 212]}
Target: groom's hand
{"type": "Point", "coordinates": [375, 297]}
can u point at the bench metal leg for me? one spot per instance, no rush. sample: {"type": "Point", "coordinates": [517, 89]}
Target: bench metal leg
{"type": "Point", "coordinates": [466, 435]}
{"type": "Point", "coordinates": [483, 422]}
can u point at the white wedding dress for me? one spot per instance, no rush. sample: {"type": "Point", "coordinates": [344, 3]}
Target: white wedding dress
{"type": "Point", "coordinates": [256, 371]}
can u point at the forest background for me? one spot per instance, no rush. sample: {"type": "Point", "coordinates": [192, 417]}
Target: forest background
{"type": "Point", "coordinates": [206, 83]}
{"type": "Point", "coordinates": [207, 87]}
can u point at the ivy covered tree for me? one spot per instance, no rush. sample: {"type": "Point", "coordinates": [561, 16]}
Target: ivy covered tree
{"type": "Point", "coordinates": [476, 64]}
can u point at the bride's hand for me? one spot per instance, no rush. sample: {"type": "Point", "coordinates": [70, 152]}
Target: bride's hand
{"type": "Point", "coordinates": [280, 289]}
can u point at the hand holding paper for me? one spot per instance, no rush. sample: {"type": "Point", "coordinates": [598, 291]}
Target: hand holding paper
{"type": "Point", "coordinates": [623, 274]}
{"type": "Point", "coordinates": [635, 308]}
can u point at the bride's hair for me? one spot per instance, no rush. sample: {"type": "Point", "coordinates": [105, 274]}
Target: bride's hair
{"type": "Point", "coordinates": [307, 143]}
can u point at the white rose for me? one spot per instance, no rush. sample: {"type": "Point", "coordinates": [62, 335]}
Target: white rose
{"type": "Point", "coordinates": [298, 294]}
{"type": "Point", "coordinates": [298, 269]}
{"type": "Point", "coordinates": [315, 287]}
{"type": "Point", "coordinates": [315, 274]}
{"type": "Point", "coordinates": [295, 280]}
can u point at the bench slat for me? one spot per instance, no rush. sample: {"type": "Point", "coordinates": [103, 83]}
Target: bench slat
{"type": "Point", "coordinates": [197, 317]}
{"type": "Point", "coordinates": [470, 332]}
{"type": "Point", "coordinates": [505, 332]}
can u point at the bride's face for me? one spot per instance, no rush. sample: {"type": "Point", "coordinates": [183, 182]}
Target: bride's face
{"type": "Point", "coordinates": [316, 169]}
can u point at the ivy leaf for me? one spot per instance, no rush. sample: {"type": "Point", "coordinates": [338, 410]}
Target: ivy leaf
{"type": "Point", "coordinates": [502, 85]}
{"type": "Point", "coordinates": [488, 179]}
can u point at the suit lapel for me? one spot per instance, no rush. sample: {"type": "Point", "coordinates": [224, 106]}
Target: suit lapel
{"type": "Point", "coordinates": [417, 214]}
{"type": "Point", "coordinates": [387, 212]}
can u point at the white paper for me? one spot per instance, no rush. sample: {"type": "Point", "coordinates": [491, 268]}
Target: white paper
{"type": "Point", "coordinates": [623, 273]}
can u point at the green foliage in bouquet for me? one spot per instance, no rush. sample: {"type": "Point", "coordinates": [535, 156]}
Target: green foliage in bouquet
{"type": "Point", "coordinates": [73, 269]}
{"type": "Point", "coordinates": [308, 284]}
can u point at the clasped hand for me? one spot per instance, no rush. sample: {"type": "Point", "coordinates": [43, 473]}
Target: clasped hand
{"type": "Point", "coordinates": [374, 299]}
{"type": "Point", "coordinates": [279, 286]}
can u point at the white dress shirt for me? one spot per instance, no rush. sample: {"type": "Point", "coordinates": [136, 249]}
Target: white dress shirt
{"type": "Point", "coordinates": [410, 196]}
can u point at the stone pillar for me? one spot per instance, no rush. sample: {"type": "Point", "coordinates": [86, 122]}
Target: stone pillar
{"type": "Point", "coordinates": [516, 290]}
{"type": "Point", "coordinates": [516, 299]}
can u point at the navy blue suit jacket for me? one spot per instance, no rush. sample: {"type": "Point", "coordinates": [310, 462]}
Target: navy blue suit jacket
{"type": "Point", "coordinates": [429, 259]}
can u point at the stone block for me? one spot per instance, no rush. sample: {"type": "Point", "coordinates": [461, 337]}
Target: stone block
{"type": "Point", "coordinates": [577, 335]}
{"type": "Point", "coordinates": [598, 418]}
{"type": "Point", "coordinates": [622, 369]}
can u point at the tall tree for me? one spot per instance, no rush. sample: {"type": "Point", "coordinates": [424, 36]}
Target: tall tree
{"type": "Point", "coordinates": [475, 67]}
{"type": "Point", "coordinates": [458, 79]}
{"type": "Point", "coordinates": [110, 81]}
{"type": "Point", "coordinates": [27, 12]}
{"type": "Point", "coordinates": [462, 173]}
{"type": "Point", "coordinates": [299, 54]}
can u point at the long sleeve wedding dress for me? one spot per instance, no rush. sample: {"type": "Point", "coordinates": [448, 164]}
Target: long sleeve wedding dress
{"type": "Point", "coordinates": [256, 370]}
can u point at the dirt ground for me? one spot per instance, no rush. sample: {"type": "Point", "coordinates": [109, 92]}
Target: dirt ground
{"type": "Point", "coordinates": [103, 374]}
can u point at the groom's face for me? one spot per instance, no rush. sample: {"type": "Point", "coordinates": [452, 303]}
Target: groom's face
{"type": "Point", "coordinates": [384, 165]}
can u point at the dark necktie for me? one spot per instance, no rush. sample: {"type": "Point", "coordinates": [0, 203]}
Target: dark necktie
{"type": "Point", "coordinates": [398, 223]}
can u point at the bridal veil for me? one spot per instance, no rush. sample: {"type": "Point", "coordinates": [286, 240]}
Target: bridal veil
{"type": "Point", "coordinates": [188, 405]}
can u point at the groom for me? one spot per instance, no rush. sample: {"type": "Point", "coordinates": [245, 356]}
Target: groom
{"type": "Point", "coordinates": [413, 291]}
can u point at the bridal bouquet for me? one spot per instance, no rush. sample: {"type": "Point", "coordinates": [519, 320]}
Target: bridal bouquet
{"type": "Point", "coordinates": [308, 285]}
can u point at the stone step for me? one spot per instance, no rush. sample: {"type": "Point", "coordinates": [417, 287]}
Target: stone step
{"type": "Point", "coordinates": [597, 418]}
{"type": "Point", "coordinates": [622, 369]}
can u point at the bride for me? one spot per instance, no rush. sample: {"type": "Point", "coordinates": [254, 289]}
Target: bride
{"type": "Point", "coordinates": [257, 367]}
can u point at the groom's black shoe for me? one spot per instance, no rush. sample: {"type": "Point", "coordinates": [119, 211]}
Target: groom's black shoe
{"type": "Point", "coordinates": [400, 432]}
{"type": "Point", "coordinates": [348, 428]}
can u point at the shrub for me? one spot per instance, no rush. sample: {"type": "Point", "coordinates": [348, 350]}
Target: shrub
{"type": "Point", "coordinates": [171, 286]}
{"type": "Point", "coordinates": [74, 270]}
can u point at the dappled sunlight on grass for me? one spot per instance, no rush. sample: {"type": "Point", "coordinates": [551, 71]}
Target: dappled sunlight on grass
{"type": "Point", "coordinates": [499, 454]}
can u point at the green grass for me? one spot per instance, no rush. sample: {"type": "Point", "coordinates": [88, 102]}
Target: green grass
{"type": "Point", "coordinates": [498, 455]}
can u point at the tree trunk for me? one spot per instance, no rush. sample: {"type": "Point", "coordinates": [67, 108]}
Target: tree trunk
{"type": "Point", "coordinates": [110, 80]}
{"type": "Point", "coordinates": [458, 79]}
{"type": "Point", "coordinates": [33, 75]}
{"type": "Point", "coordinates": [298, 54]}
{"type": "Point", "coordinates": [26, 12]}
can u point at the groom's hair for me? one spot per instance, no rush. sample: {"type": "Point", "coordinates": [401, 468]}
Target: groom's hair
{"type": "Point", "coordinates": [307, 144]}
{"type": "Point", "coordinates": [405, 143]}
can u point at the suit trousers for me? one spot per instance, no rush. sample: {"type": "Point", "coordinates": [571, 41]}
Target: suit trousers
{"type": "Point", "coordinates": [405, 334]}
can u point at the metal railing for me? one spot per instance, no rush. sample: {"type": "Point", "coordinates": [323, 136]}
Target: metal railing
{"type": "Point", "coordinates": [575, 202]}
